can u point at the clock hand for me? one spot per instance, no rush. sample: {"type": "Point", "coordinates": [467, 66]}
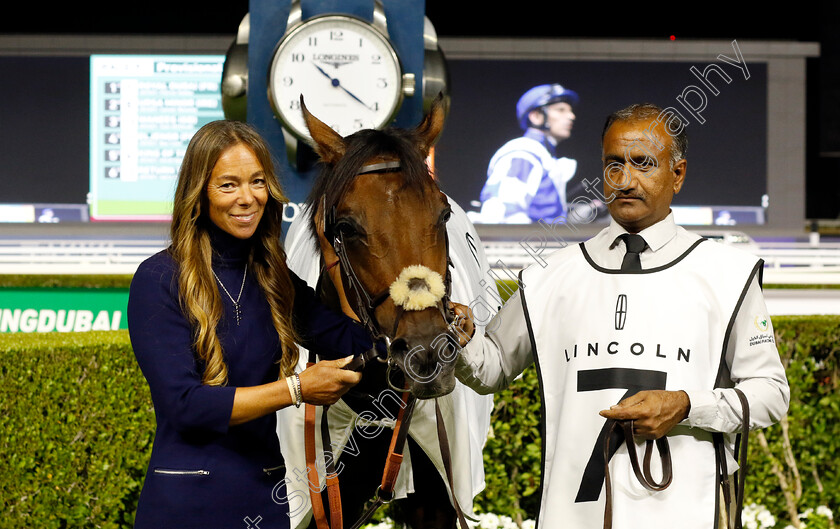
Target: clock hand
{"type": "Point", "coordinates": [336, 82]}
{"type": "Point", "coordinates": [354, 97]}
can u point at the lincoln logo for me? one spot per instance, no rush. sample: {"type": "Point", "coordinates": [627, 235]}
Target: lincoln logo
{"type": "Point", "coordinates": [620, 311]}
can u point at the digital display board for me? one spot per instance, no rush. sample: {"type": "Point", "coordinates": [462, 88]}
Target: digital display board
{"type": "Point", "coordinates": [144, 109]}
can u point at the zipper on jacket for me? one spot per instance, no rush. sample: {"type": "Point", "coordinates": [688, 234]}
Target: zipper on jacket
{"type": "Point", "coordinates": [182, 472]}
{"type": "Point", "coordinates": [272, 469]}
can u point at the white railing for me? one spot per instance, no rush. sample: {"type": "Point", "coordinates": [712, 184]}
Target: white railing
{"type": "Point", "coordinates": [32, 256]}
{"type": "Point", "coordinates": [784, 262]}
{"type": "Point", "coordinates": [792, 263]}
{"type": "Point", "coordinates": [809, 258]}
{"type": "Point", "coordinates": [788, 263]}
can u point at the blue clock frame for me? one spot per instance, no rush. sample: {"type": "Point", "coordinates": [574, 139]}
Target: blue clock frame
{"type": "Point", "coordinates": [268, 25]}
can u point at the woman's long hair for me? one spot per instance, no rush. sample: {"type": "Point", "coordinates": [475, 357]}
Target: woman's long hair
{"type": "Point", "coordinates": [191, 249]}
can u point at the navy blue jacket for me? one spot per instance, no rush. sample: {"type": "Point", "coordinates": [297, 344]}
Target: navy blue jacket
{"type": "Point", "coordinates": [203, 472]}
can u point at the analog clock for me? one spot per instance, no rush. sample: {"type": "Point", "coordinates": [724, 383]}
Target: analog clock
{"type": "Point", "coordinates": [347, 71]}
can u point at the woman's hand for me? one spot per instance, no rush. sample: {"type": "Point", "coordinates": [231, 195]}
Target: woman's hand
{"type": "Point", "coordinates": [325, 382]}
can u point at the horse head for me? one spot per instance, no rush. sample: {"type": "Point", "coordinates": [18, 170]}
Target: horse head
{"type": "Point", "coordinates": [385, 217]}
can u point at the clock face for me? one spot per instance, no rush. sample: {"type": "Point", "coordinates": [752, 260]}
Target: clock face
{"type": "Point", "coordinates": [347, 71]}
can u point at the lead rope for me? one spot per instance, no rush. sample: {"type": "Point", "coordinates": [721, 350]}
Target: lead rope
{"type": "Point", "coordinates": [742, 446]}
{"type": "Point", "coordinates": [645, 478]}
{"type": "Point", "coordinates": [330, 477]}
{"type": "Point", "coordinates": [392, 462]}
{"type": "Point", "coordinates": [733, 519]}
{"type": "Point", "coordinates": [642, 474]}
{"type": "Point", "coordinates": [447, 463]}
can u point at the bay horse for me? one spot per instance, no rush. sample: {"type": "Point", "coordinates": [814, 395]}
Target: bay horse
{"type": "Point", "coordinates": [386, 219]}
{"type": "Point", "coordinates": [376, 205]}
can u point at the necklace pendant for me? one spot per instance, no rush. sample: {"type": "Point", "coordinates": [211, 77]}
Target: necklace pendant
{"type": "Point", "coordinates": [237, 309]}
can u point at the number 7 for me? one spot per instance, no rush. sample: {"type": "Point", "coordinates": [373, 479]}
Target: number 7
{"type": "Point", "coordinates": [634, 381]}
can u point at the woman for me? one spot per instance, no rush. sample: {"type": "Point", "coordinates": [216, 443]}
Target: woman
{"type": "Point", "coordinates": [213, 321]}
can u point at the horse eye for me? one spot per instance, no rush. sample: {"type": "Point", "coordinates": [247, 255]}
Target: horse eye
{"type": "Point", "coordinates": [346, 228]}
{"type": "Point", "coordinates": [444, 217]}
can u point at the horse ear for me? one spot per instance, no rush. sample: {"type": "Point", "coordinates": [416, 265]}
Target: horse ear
{"type": "Point", "coordinates": [432, 125]}
{"type": "Point", "coordinates": [329, 144]}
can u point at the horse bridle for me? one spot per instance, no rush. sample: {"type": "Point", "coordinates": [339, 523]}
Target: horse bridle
{"type": "Point", "coordinates": [366, 304]}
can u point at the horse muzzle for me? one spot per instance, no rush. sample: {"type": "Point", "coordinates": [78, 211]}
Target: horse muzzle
{"type": "Point", "coordinates": [427, 362]}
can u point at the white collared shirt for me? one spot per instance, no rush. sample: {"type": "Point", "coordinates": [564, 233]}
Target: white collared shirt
{"type": "Point", "coordinates": [665, 242]}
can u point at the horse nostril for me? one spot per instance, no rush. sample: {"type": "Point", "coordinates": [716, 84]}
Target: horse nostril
{"type": "Point", "coordinates": [399, 346]}
{"type": "Point", "coordinates": [416, 283]}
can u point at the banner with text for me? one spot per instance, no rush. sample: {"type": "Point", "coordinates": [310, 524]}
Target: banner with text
{"type": "Point", "coordinates": [62, 309]}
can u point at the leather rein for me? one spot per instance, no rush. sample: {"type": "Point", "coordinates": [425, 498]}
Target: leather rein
{"type": "Point", "coordinates": [644, 476]}
{"type": "Point", "coordinates": [366, 305]}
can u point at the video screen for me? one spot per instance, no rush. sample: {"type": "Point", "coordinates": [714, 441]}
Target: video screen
{"type": "Point", "coordinates": [726, 179]}
{"type": "Point", "coordinates": [43, 140]}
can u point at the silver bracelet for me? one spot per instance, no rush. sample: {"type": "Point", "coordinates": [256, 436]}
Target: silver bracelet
{"type": "Point", "coordinates": [298, 392]}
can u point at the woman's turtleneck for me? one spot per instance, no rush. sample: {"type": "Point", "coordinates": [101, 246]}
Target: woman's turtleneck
{"type": "Point", "coordinates": [228, 251]}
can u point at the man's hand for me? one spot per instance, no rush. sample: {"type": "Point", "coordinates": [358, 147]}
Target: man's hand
{"type": "Point", "coordinates": [325, 382]}
{"type": "Point", "coordinates": [463, 326]}
{"type": "Point", "coordinates": [653, 413]}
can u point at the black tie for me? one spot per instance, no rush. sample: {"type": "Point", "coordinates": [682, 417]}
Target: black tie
{"type": "Point", "coordinates": [635, 244]}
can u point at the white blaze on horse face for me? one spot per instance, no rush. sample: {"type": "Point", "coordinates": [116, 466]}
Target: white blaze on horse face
{"type": "Point", "coordinates": [418, 287]}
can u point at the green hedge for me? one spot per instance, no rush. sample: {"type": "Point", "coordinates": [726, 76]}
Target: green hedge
{"type": "Point", "coordinates": [793, 464]}
{"type": "Point", "coordinates": [78, 426]}
{"type": "Point", "coordinates": [76, 433]}
{"type": "Point", "coordinates": [65, 281]}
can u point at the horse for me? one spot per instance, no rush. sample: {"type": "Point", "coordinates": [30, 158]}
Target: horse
{"type": "Point", "coordinates": [376, 204]}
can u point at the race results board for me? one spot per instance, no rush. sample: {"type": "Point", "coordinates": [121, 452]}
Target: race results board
{"type": "Point", "coordinates": [144, 109]}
